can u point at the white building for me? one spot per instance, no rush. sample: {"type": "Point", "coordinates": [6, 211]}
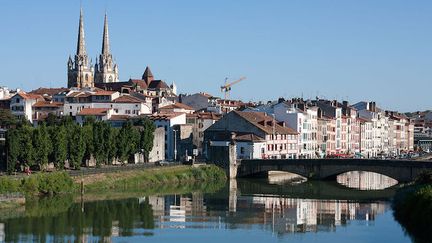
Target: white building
{"type": "Point", "coordinates": [168, 121]}
{"type": "Point", "coordinates": [305, 122]}
{"type": "Point", "coordinates": [126, 104]}
{"type": "Point", "coordinates": [21, 104]}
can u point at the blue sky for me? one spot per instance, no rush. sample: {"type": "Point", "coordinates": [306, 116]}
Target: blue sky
{"type": "Point", "coordinates": [346, 49]}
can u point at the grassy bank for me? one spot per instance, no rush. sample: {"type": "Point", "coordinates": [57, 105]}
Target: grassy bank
{"type": "Point", "coordinates": [152, 180]}
{"type": "Point", "coordinates": [38, 184]}
{"type": "Point", "coordinates": [413, 209]}
{"type": "Point", "coordinates": [155, 179]}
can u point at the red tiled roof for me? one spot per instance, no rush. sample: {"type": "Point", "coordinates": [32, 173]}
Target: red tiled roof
{"type": "Point", "coordinates": [139, 82]}
{"type": "Point", "coordinates": [29, 96]}
{"type": "Point", "coordinates": [205, 115]}
{"type": "Point", "coordinates": [165, 116]}
{"type": "Point", "coordinates": [104, 92]}
{"type": "Point", "coordinates": [157, 84]}
{"type": "Point", "coordinates": [249, 137]}
{"type": "Point", "coordinates": [127, 99]}
{"type": "Point", "coordinates": [260, 120]}
{"type": "Point", "coordinates": [93, 111]}
{"type": "Point", "coordinates": [47, 104]}
{"type": "Point", "coordinates": [177, 106]}
{"type": "Point", "coordinates": [48, 91]}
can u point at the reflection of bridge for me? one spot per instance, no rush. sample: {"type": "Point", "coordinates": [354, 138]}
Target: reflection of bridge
{"type": "Point", "coordinates": [319, 169]}
{"type": "Point", "coordinates": [326, 190]}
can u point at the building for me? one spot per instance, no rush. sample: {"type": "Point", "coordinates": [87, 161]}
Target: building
{"type": "Point", "coordinates": [21, 104]}
{"type": "Point", "coordinates": [80, 70]}
{"type": "Point", "coordinates": [199, 101]}
{"type": "Point", "coordinates": [158, 151]}
{"type": "Point", "coordinates": [42, 109]}
{"type": "Point", "coordinates": [168, 121]}
{"type": "Point", "coordinates": [106, 71]}
{"type": "Point", "coordinates": [279, 141]}
{"type": "Point", "coordinates": [176, 107]}
{"type": "Point", "coordinates": [125, 104]}
{"type": "Point", "coordinates": [100, 114]}
{"type": "Point", "coordinates": [200, 121]}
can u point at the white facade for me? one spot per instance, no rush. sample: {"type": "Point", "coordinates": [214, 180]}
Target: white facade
{"type": "Point", "coordinates": [167, 123]}
{"type": "Point", "coordinates": [250, 150]}
{"type": "Point", "coordinates": [21, 105]}
{"type": "Point", "coordinates": [305, 123]}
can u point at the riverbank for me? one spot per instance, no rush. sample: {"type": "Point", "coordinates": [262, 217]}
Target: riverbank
{"type": "Point", "coordinates": [149, 178]}
{"type": "Point", "coordinates": [413, 209]}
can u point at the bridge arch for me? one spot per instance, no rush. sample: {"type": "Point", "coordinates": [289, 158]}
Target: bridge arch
{"type": "Point", "coordinates": [319, 169]}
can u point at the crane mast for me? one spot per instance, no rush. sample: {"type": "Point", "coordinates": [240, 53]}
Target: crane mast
{"type": "Point", "coordinates": [227, 87]}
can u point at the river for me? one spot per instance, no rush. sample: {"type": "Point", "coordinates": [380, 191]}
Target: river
{"type": "Point", "coordinates": [243, 211]}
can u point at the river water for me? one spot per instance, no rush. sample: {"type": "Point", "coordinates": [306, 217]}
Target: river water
{"type": "Point", "coordinates": [241, 211]}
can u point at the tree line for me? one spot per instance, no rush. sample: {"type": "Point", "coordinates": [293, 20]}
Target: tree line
{"type": "Point", "coordinates": [62, 140]}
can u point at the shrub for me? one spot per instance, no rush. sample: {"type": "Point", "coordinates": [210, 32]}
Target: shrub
{"type": "Point", "coordinates": [48, 183]}
{"type": "Point", "coordinates": [9, 185]}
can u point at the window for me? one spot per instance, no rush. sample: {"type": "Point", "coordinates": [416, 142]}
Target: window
{"type": "Point", "coordinates": [242, 150]}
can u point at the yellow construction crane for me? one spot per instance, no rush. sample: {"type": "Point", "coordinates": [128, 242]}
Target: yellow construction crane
{"type": "Point", "coordinates": [227, 87]}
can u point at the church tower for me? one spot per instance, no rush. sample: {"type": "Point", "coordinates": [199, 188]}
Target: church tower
{"type": "Point", "coordinates": [106, 71]}
{"type": "Point", "coordinates": [80, 70]}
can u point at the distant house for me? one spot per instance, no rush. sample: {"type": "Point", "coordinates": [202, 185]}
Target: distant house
{"type": "Point", "coordinates": [259, 135]}
{"type": "Point", "coordinates": [21, 104]}
{"type": "Point", "coordinates": [168, 121]}
{"type": "Point", "coordinates": [101, 114]}
{"type": "Point", "coordinates": [177, 107]}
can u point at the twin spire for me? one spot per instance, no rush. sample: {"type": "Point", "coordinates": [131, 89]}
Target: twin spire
{"type": "Point", "coordinates": [81, 39]}
{"type": "Point", "coordinates": [81, 49]}
{"type": "Point", "coordinates": [105, 41]}
{"type": "Point", "coordinates": [81, 72]}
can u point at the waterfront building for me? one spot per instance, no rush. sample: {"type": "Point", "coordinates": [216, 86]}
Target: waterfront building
{"type": "Point", "coordinates": [168, 121]}
{"type": "Point", "coordinates": [200, 121]}
{"type": "Point", "coordinates": [279, 141]}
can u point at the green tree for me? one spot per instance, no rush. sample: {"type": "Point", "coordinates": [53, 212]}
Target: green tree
{"type": "Point", "coordinates": [26, 156]}
{"type": "Point", "coordinates": [12, 149]}
{"type": "Point", "coordinates": [42, 145]}
{"type": "Point", "coordinates": [146, 137]}
{"type": "Point", "coordinates": [88, 139]}
{"type": "Point", "coordinates": [59, 142]}
{"type": "Point", "coordinates": [7, 119]}
{"type": "Point", "coordinates": [51, 119]}
{"type": "Point", "coordinates": [99, 143]}
{"type": "Point", "coordinates": [76, 146]}
{"type": "Point", "coordinates": [128, 142]}
{"type": "Point", "coordinates": [110, 137]}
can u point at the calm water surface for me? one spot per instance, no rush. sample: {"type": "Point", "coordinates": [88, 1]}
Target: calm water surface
{"type": "Point", "coordinates": [242, 211]}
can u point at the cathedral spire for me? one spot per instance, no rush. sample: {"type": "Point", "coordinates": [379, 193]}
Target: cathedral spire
{"type": "Point", "coordinates": [81, 42]}
{"type": "Point", "coordinates": [105, 42]}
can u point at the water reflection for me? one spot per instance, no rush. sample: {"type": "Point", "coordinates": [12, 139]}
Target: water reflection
{"type": "Point", "coordinates": [58, 219]}
{"type": "Point", "coordinates": [363, 180]}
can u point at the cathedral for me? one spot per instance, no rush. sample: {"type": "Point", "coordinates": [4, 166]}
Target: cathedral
{"type": "Point", "coordinates": [81, 73]}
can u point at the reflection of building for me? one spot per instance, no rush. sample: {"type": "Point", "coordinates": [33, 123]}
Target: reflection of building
{"type": "Point", "coordinates": [175, 210]}
{"type": "Point", "coordinates": [285, 215]}
{"type": "Point", "coordinates": [365, 180]}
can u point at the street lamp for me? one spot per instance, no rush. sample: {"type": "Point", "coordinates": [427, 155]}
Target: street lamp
{"type": "Point", "coordinates": [175, 145]}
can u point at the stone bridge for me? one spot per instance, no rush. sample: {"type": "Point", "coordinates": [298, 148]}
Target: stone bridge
{"type": "Point", "coordinates": [320, 169]}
